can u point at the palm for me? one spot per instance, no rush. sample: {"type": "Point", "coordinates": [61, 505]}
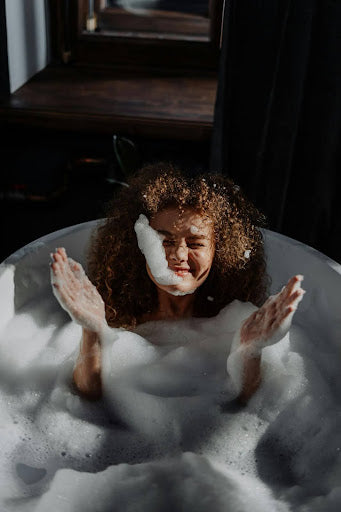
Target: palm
{"type": "Point", "coordinates": [75, 292]}
{"type": "Point", "coordinates": [272, 321]}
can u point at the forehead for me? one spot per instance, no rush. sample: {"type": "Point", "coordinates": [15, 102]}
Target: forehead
{"type": "Point", "coordinates": [178, 221]}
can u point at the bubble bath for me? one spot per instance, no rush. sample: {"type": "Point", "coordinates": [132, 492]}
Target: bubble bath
{"type": "Point", "coordinates": [168, 434]}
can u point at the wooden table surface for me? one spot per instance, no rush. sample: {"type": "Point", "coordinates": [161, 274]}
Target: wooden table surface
{"type": "Point", "coordinates": [103, 101]}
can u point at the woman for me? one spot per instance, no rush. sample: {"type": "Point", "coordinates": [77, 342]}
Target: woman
{"type": "Point", "coordinates": [214, 254]}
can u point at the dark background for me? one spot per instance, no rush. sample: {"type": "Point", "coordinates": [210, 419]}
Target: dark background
{"type": "Point", "coordinates": [277, 133]}
{"type": "Point", "coordinates": [277, 129]}
{"type": "Point", "coordinates": [51, 181]}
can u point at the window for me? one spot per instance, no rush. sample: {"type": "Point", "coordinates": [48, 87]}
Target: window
{"type": "Point", "coordinates": [169, 34]}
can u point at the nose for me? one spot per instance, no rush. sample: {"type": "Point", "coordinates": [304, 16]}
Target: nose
{"type": "Point", "coordinates": [179, 252]}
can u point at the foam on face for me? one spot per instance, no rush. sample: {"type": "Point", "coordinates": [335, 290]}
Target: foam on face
{"type": "Point", "coordinates": [166, 434]}
{"type": "Point", "coordinates": [194, 230]}
{"type": "Point", "coordinates": [179, 293]}
{"type": "Point", "coordinates": [150, 244]}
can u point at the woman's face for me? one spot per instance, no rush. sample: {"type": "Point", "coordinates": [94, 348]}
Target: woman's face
{"type": "Point", "coordinates": [189, 246]}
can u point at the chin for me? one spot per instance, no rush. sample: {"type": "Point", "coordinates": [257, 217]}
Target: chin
{"type": "Point", "coordinates": [181, 289]}
{"type": "Point", "coordinates": [178, 292]}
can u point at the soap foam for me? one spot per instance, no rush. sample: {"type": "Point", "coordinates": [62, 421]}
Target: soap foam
{"type": "Point", "coordinates": [150, 244]}
{"type": "Point", "coordinates": [167, 433]}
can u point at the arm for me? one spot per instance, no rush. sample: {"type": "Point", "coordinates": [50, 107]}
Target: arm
{"type": "Point", "coordinates": [251, 378]}
{"type": "Point", "coordinates": [264, 327]}
{"type": "Point", "coordinates": [87, 371]}
{"type": "Point", "coordinates": [79, 297]}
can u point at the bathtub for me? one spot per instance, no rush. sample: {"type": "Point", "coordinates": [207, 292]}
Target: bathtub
{"type": "Point", "coordinates": [38, 477]}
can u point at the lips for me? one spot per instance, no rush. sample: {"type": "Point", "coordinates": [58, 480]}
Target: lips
{"type": "Point", "coordinates": [181, 271]}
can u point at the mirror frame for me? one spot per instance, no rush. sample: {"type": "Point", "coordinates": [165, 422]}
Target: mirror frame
{"type": "Point", "coordinates": [72, 43]}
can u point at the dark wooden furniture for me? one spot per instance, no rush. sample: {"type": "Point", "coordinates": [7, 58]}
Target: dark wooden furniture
{"type": "Point", "coordinates": [108, 101]}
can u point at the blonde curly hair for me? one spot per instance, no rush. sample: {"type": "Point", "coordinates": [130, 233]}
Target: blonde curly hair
{"type": "Point", "coordinates": [118, 268]}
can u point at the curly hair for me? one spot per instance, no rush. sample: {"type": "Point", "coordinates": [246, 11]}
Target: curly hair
{"type": "Point", "coordinates": [118, 268]}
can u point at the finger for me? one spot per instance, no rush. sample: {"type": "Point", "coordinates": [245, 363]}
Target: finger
{"type": "Point", "coordinates": [252, 319]}
{"type": "Point", "coordinates": [273, 326]}
{"type": "Point", "coordinates": [67, 265]}
{"type": "Point", "coordinates": [53, 273]}
{"type": "Point", "coordinates": [60, 291]}
{"type": "Point", "coordinates": [260, 314]}
{"type": "Point", "coordinates": [301, 295]}
{"type": "Point", "coordinates": [65, 270]}
{"type": "Point", "coordinates": [61, 264]}
{"type": "Point", "coordinates": [289, 312]}
{"type": "Point", "coordinates": [272, 309]}
{"type": "Point", "coordinates": [295, 298]}
{"type": "Point", "coordinates": [296, 282]}
{"type": "Point", "coordinates": [289, 287]}
{"type": "Point", "coordinates": [282, 320]}
{"type": "Point", "coordinates": [60, 257]}
{"type": "Point", "coordinates": [297, 295]}
{"type": "Point", "coordinates": [57, 270]}
{"type": "Point", "coordinates": [62, 253]}
{"type": "Point", "coordinates": [53, 256]}
{"type": "Point", "coordinates": [292, 285]}
{"type": "Point", "coordinates": [66, 286]}
{"type": "Point", "coordinates": [76, 268]}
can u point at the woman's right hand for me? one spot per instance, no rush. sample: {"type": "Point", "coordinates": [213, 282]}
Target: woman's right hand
{"type": "Point", "coordinates": [75, 292]}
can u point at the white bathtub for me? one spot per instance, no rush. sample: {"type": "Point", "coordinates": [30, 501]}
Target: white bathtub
{"type": "Point", "coordinates": [25, 275]}
{"type": "Point", "coordinates": [285, 257]}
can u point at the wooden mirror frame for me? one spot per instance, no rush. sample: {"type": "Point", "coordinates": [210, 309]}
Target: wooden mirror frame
{"type": "Point", "coordinates": [138, 50]}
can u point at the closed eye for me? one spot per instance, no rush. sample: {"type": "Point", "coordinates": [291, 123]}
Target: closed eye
{"type": "Point", "coordinates": [193, 245]}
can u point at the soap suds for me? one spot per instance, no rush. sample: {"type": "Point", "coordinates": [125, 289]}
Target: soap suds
{"type": "Point", "coordinates": [194, 230]}
{"type": "Point", "coordinates": [150, 244]}
{"type": "Point", "coordinates": [167, 432]}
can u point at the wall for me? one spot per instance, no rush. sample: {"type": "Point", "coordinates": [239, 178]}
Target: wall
{"type": "Point", "coordinates": [27, 39]}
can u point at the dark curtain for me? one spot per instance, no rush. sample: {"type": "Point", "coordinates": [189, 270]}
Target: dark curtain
{"type": "Point", "coordinates": [277, 127]}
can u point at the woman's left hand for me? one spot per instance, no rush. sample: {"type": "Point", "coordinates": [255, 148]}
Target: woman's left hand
{"type": "Point", "coordinates": [272, 321]}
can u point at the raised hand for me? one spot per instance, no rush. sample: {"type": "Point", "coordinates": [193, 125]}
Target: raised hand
{"type": "Point", "coordinates": [75, 292]}
{"type": "Point", "coordinates": [272, 321]}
